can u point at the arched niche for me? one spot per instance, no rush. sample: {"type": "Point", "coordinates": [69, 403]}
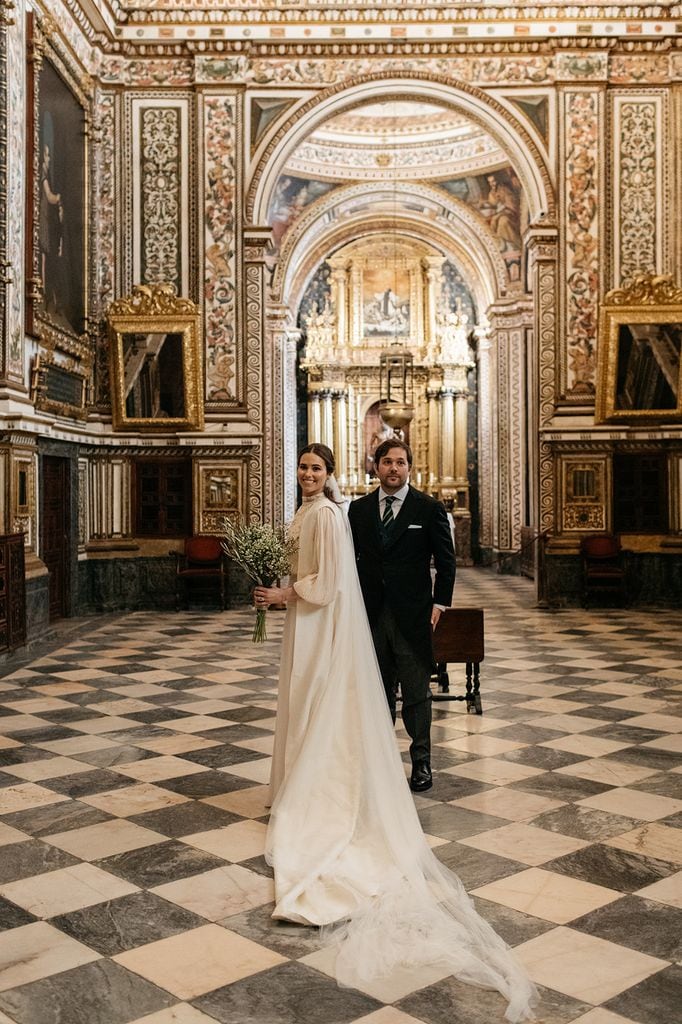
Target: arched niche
{"type": "Point", "coordinates": [474, 103]}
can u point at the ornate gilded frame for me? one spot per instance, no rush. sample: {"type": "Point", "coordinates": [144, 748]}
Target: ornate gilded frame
{"type": "Point", "coordinates": [157, 310]}
{"type": "Point", "coordinates": [56, 332]}
{"type": "Point", "coordinates": [635, 315]}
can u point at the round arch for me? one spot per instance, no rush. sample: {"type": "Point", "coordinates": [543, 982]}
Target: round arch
{"type": "Point", "coordinates": [445, 223]}
{"type": "Point", "coordinates": [468, 100]}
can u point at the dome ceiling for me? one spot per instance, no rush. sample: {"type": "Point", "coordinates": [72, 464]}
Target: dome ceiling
{"type": "Point", "coordinates": [396, 139]}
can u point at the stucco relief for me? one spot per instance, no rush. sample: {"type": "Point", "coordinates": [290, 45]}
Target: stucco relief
{"type": "Point", "coordinates": [160, 195]}
{"type": "Point", "coordinates": [104, 231]}
{"type": "Point", "coordinates": [535, 68]}
{"type": "Point", "coordinates": [581, 66]}
{"type": "Point", "coordinates": [145, 73]}
{"type": "Point", "coordinates": [62, 16]}
{"type": "Point", "coordinates": [220, 247]}
{"type": "Point", "coordinates": [636, 207]}
{"type": "Point", "coordinates": [633, 68]}
{"type": "Point", "coordinates": [15, 177]}
{"type": "Point", "coordinates": [582, 189]}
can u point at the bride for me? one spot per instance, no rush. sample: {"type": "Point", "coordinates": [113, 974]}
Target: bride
{"type": "Point", "coordinates": [344, 838]}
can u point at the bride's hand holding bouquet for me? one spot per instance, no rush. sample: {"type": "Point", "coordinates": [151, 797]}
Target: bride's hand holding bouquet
{"type": "Point", "coordinates": [262, 553]}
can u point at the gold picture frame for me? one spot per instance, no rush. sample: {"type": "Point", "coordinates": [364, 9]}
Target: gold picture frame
{"type": "Point", "coordinates": [640, 353]}
{"type": "Point", "coordinates": [156, 361]}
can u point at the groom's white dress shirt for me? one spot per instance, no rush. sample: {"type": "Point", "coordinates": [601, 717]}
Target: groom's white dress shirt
{"type": "Point", "coordinates": [398, 499]}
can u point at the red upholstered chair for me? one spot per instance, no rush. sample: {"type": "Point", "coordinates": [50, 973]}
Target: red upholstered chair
{"type": "Point", "coordinates": [202, 559]}
{"type": "Point", "coordinates": [603, 570]}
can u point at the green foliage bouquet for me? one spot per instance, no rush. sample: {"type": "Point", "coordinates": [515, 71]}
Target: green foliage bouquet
{"type": "Point", "coordinates": [262, 552]}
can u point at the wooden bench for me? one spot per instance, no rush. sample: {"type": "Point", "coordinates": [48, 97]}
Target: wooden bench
{"type": "Point", "coordinates": [457, 639]}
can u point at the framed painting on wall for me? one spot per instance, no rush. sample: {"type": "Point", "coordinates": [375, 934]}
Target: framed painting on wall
{"type": "Point", "coordinates": [57, 199]}
{"type": "Point", "coordinates": [640, 353]}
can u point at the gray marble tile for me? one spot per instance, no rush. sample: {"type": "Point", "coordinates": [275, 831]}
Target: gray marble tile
{"type": "Point", "coordinates": [53, 818]}
{"type": "Point", "coordinates": [185, 819]}
{"type": "Point", "coordinates": [46, 734]}
{"type": "Point", "coordinates": [232, 733]}
{"type": "Point", "coordinates": [476, 867]}
{"type": "Point", "coordinates": [616, 869]}
{"type": "Point", "coordinates": [23, 755]}
{"type": "Point", "coordinates": [674, 821]}
{"type": "Point", "coordinates": [12, 916]}
{"type": "Point", "coordinates": [98, 993]}
{"type": "Point", "coordinates": [117, 925]}
{"type": "Point", "coordinates": [222, 756]}
{"type": "Point", "coordinates": [650, 927]}
{"type": "Point", "coordinates": [32, 857]}
{"type": "Point", "coordinates": [655, 1001]}
{"type": "Point", "coordinates": [456, 822]}
{"type": "Point", "coordinates": [455, 787]}
{"type": "Point", "coordinates": [513, 926]}
{"type": "Point", "coordinates": [662, 784]}
{"type": "Point", "coordinates": [204, 784]}
{"type": "Point", "coordinates": [603, 711]}
{"type": "Point", "coordinates": [452, 1002]}
{"type": "Point", "coordinates": [624, 733]}
{"type": "Point", "coordinates": [290, 994]}
{"type": "Point", "coordinates": [584, 822]}
{"type": "Point", "coordinates": [560, 787]}
{"type": "Point", "coordinates": [287, 939]}
{"type": "Point", "coordinates": [525, 733]}
{"type": "Point", "coordinates": [647, 757]}
{"type": "Point", "coordinates": [108, 757]}
{"type": "Point", "coordinates": [258, 864]}
{"type": "Point", "coordinates": [86, 783]}
{"type": "Point", "coordinates": [163, 862]}
{"type": "Point", "coordinates": [541, 757]}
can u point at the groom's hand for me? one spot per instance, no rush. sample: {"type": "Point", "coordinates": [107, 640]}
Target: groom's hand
{"type": "Point", "coordinates": [435, 615]}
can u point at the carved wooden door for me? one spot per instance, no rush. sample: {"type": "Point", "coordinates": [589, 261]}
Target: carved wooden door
{"type": "Point", "coordinates": [55, 532]}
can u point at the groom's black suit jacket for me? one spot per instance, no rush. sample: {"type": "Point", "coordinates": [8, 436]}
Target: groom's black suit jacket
{"type": "Point", "coordinates": [398, 572]}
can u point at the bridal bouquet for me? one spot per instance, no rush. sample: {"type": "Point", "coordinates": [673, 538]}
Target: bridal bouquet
{"type": "Point", "coordinates": [262, 552]}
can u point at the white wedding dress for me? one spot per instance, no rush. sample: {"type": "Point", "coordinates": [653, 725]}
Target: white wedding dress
{"type": "Point", "coordinates": [344, 838]}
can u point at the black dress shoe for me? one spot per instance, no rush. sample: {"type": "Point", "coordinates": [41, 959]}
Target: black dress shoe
{"type": "Point", "coordinates": [421, 779]}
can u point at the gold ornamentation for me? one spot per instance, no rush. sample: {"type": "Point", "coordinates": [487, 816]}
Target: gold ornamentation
{"type": "Point", "coordinates": [646, 290]}
{"type": "Point", "coordinates": [153, 300]}
{"type": "Point", "coordinates": [155, 361]}
{"type": "Point", "coordinates": [640, 352]}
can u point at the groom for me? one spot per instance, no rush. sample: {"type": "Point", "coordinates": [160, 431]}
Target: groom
{"type": "Point", "coordinates": [396, 531]}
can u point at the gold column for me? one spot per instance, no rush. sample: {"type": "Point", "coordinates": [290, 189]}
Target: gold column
{"type": "Point", "coordinates": [314, 417]}
{"type": "Point", "coordinates": [340, 447]}
{"type": "Point", "coordinates": [446, 401]}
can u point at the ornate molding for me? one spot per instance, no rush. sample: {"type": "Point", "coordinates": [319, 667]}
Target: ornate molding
{"type": "Point", "coordinates": [638, 204]}
{"type": "Point", "coordinates": [221, 197]}
{"type": "Point", "coordinates": [153, 300]}
{"type": "Point", "coordinates": [583, 116]}
{"type": "Point", "coordinates": [646, 290]}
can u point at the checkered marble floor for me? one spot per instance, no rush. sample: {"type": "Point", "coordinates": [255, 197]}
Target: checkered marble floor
{"type": "Point", "coordinates": [133, 763]}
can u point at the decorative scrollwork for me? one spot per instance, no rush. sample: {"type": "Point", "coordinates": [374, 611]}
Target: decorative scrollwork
{"type": "Point", "coordinates": [153, 300]}
{"type": "Point", "coordinates": [646, 290]}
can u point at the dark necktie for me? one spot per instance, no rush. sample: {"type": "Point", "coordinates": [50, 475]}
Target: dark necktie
{"type": "Point", "coordinates": [387, 518]}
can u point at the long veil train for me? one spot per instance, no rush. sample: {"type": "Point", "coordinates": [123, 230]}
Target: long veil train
{"type": "Point", "coordinates": [344, 837]}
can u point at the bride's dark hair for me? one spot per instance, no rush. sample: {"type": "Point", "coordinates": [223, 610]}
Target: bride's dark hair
{"type": "Point", "coordinates": [331, 489]}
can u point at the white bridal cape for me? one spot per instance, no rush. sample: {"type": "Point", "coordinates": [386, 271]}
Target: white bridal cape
{"type": "Point", "coordinates": [344, 838]}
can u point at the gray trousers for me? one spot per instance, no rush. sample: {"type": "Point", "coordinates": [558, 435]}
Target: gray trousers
{"type": "Point", "coordinates": [399, 664]}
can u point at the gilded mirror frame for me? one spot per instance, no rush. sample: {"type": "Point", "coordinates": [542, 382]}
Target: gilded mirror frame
{"type": "Point", "coordinates": [156, 312]}
{"type": "Point", "coordinates": [640, 353]}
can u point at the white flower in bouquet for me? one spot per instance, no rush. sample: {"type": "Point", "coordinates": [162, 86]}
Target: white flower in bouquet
{"type": "Point", "coordinates": [262, 552]}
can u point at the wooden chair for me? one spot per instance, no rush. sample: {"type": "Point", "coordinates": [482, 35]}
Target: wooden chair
{"type": "Point", "coordinates": [459, 638]}
{"type": "Point", "coordinates": [202, 559]}
{"type": "Point", "coordinates": [603, 570]}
